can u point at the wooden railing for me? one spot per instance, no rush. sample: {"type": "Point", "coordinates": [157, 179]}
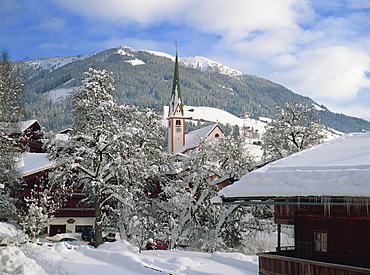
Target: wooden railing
{"type": "Point", "coordinates": [285, 248]}
{"type": "Point", "coordinates": [273, 264]}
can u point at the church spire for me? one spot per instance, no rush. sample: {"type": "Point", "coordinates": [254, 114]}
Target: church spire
{"type": "Point", "coordinates": [176, 98]}
{"type": "Point", "coordinates": [176, 118]}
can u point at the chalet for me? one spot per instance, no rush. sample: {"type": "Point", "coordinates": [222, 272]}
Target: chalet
{"type": "Point", "coordinates": [35, 167]}
{"type": "Point", "coordinates": [324, 192]}
{"type": "Point", "coordinates": [178, 141]}
{"type": "Point", "coordinates": [31, 130]}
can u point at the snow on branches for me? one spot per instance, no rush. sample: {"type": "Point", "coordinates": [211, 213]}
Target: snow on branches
{"type": "Point", "coordinates": [296, 127]}
{"type": "Point", "coordinates": [112, 149]}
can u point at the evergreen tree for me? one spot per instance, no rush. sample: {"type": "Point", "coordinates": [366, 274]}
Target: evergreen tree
{"type": "Point", "coordinates": [296, 127]}
{"type": "Point", "coordinates": [11, 90]}
{"type": "Point", "coordinates": [11, 112]}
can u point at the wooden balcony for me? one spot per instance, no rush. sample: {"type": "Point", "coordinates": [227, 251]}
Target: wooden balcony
{"type": "Point", "coordinates": [75, 212]}
{"type": "Point", "coordinates": [284, 262]}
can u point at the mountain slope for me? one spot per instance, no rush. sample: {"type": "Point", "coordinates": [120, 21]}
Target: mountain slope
{"type": "Point", "coordinates": [144, 78]}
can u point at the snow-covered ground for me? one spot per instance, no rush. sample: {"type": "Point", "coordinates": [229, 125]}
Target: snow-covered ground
{"type": "Point", "coordinates": [46, 257]}
{"type": "Point", "coordinates": [118, 258]}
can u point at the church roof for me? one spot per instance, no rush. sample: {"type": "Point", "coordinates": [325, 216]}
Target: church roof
{"type": "Point", "coordinates": [194, 138]}
{"type": "Point", "coordinates": [176, 97]}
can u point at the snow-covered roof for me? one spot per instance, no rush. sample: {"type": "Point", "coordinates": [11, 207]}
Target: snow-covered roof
{"type": "Point", "coordinates": [32, 163]}
{"type": "Point", "coordinates": [194, 138]}
{"type": "Point", "coordinates": [25, 124]}
{"type": "Point", "coordinates": [339, 167]}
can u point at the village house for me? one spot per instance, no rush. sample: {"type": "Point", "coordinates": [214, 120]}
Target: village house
{"type": "Point", "coordinates": [324, 192]}
{"type": "Point", "coordinates": [75, 216]}
{"type": "Point", "coordinates": [35, 167]}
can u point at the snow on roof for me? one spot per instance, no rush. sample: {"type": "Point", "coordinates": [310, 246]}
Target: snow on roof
{"type": "Point", "coordinates": [34, 162]}
{"type": "Point", "coordinates": [22, 124]}
{"type": "Point", "coordinates": [194, 138]}
{"type": "Point", "coordinates": [25, 124]}
{"type": "Point", "coordinates": [339, 167]}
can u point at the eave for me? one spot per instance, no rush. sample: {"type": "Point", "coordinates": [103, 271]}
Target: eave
{"type": "Point", "coordinates": [310, 200]}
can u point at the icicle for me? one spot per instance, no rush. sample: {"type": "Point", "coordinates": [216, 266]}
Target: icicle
{"type": "Point", "coordinates": [326, 201]}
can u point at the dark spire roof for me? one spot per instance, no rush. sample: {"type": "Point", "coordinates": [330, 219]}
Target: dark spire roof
{"type": "Point", "coordinates": [176, 97]}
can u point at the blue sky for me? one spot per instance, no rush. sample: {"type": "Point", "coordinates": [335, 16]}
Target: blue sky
{"type": "Point", "coordinates": [316, 48]}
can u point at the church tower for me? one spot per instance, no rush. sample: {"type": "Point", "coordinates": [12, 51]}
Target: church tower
{"type": "Point", "coordinates": [176, 118]}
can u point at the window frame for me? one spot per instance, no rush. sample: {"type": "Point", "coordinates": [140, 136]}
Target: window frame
{"type": "Point", "coordinates": [321, 241]}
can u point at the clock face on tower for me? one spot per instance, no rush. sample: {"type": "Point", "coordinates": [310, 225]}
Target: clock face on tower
{"type": "Point", "coordinates": [178, 129]}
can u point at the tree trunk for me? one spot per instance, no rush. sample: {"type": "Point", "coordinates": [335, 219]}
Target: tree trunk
{"type": "Point", "coordinates": [98, 221]}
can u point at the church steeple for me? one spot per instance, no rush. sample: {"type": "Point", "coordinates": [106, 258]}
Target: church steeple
{"type": "Point", "coordinates": [176, 98]}
{"type": "Point", "coordinates": [176, 118]}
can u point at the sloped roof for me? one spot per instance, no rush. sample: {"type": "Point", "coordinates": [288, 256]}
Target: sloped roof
{"type": "Point", "coordinates": [23, 125]}
{"type": "Point", "coordinates": [26, 124]}
{"type": "Point", "coordinates": [32, 163]}
{"type": "Point", "coordinates": [194, 138]}
{"type": "Point", "coordinates": [339, 167]}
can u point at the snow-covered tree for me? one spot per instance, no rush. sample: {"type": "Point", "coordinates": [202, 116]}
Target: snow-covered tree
{"type": "Point", "coordinates": [188, 215]}
{"type": "Point", "coordinates": [135, 212]}
{"type": "Point", "coordinates": [296, 127]}
{"type": "Point", "coordinates": [11, 90]}
{"type": "Point", "coordinates": [112, 150]}
{"type": "Point", "coordinates": [11, 112]}
{"type": "Point", "coordinates": [38, 212]}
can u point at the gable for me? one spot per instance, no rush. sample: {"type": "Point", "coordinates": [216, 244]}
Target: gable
{"type": "Point", "coordinates": [176, 111]}
{"type": "Point", "coordinates": [194, 138]}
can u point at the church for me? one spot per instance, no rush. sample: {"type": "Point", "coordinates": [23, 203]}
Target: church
{"type": "Point", "coordinates": [178, 141]}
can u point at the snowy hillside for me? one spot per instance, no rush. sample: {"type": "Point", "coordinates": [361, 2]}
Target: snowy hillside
{"type": "Point", "coordinates": [200, 63]}
{"type": "Point", "coordinates": [144, 78]}
{"type": "Point", "coordinates": [214, 115]}
{"type": "Point", "coordinates": [51, 64]}
{"type": "Point", "coordinates": [209, 114]}
{"type": "Point", "coordinates": [205, 64]}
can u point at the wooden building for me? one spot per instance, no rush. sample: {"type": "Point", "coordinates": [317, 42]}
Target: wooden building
{"type": "Point", "coordinates": [35, 167]}
{"type": "Point", "coordinates": [324, 192]}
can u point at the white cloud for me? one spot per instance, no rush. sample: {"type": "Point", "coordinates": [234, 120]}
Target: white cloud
{"type": "Point", "coordinates": [359, 4]}
{"type": "Point", "coordinates": [233, 18]}
{"type": "Point", "coordinates": [357, 110]}
{"type": "Point", "coordinates": [52, 24]}
{"type": "Point", "coordinates": [236, 19]}
{"type": "Point", "coordinates": [140, 44]}
{"type": "Point", "coordinates": [336, 73]}
{"type": "Point", "coordinates": [140, 11]}
{"type": "Point", "coordinates": [293, 42]}
{"type": "Point", "coordinates": [52, 46]}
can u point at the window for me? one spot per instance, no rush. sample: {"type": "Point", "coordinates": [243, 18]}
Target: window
{"type": "Point", "coordinates": [321, 241]}
{"type": "Point", "coordinates": [82, 228]}
{"type": "Point", "coordinates": [217, 135]}
{"type": "Point", "coordinates": [178, 122]}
